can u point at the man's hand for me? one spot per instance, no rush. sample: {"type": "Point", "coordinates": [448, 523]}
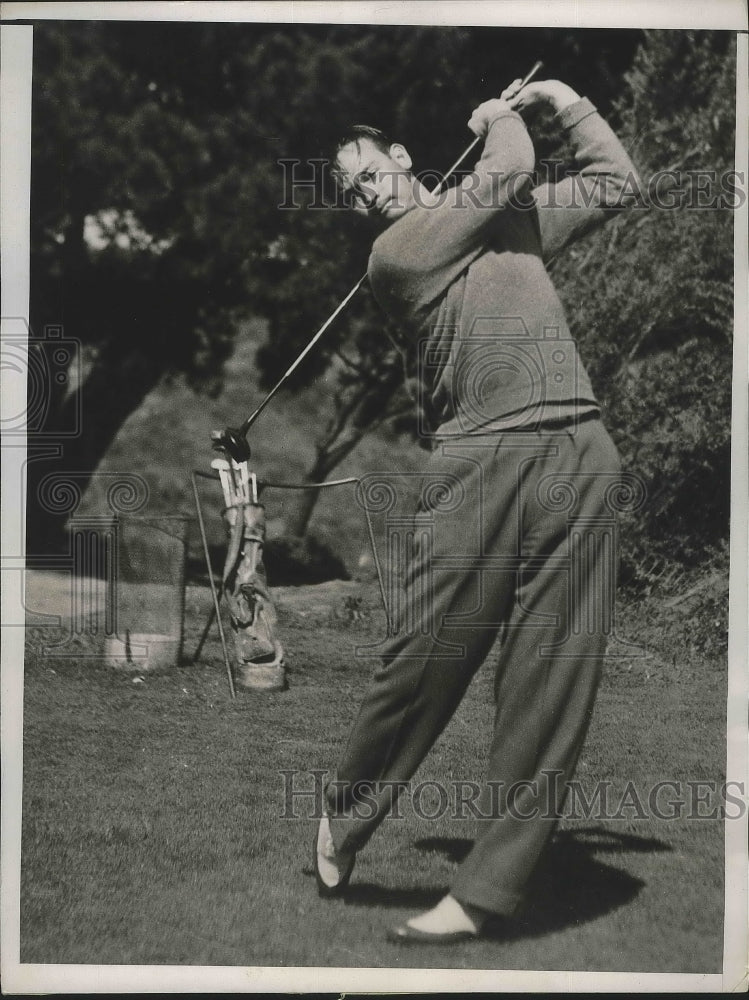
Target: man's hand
{"type": "Point", "coordinates": [552, 92]}
{"type": "Point", "coordinates": [485, 113]}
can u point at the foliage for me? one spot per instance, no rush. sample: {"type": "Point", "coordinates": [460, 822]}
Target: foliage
{"type": "Point", "coordinates": [650, 299]}
{"type": "Point", "coordinates": [128, 189]}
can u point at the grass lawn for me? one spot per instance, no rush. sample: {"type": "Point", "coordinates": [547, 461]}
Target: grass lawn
{"type": "Point", "coordinates": [152, 829]}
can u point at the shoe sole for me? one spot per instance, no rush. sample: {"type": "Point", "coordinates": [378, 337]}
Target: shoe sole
{"type": "Point", "coordinates": [410, 935]}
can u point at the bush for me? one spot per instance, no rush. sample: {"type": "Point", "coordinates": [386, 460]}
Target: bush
{"type": "Point", "coordinates": [650, 300]}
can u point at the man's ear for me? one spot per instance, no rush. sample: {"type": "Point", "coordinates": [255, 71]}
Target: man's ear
{"type": "Point", "coordinates": [399, 153]}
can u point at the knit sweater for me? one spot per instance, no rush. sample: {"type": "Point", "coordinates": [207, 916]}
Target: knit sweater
{"type": "Point", "coordinates": [468, 273]}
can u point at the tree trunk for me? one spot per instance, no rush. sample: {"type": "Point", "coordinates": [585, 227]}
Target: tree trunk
{"type": "Point", "coordinates": [105, 401]}
{"type": "Point", "coordinates": [327, 459]}
{"type": "Point", "coordinates": [359, 410]}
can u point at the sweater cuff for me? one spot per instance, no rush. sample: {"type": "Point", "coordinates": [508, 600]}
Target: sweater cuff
{"type": "Point", "coordinates": [574, 113]}
{"type": "Point", "coordinates": [509, 113]}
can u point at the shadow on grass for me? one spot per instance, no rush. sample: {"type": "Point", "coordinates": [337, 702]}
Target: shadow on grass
{"type": "Point", "coordinates": [368, 894]}
{"type": "Point", "coordinates": [572, 886]}
{"type": "Point", "coordinates": [569, 887]}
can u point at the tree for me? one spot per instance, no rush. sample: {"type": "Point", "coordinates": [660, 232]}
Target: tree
{"type": "Point", "coordinates": [134, 239]}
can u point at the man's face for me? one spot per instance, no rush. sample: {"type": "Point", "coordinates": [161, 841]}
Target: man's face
{"type": "Point", "coordinates": [375, 183]}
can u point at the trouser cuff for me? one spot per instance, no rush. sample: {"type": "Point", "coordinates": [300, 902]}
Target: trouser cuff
{"type": "Point", "coordinates": [501, 904]}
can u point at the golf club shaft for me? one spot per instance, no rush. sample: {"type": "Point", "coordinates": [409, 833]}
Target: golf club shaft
{"type": "Point", "coordinates": [214, 593]}
{"type": "Point", "coordinates": [253, 416]}
{"type": "Point", "coordinates": [469, 149]}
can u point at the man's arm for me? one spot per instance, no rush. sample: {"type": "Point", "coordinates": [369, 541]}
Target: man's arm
{"type": "Point", "coordinates": [462, 215]}
{"type": "Point", "coordinates": [607, 181]}
{"type": "Point", "coordinates": [506, 164]}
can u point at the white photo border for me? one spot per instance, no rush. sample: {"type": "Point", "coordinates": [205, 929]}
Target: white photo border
{"type": "Point", "coordinates": [15, 108]}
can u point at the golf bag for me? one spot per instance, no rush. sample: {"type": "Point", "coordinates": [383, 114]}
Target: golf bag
{"type": "Point", "coordinates": [258, 655]}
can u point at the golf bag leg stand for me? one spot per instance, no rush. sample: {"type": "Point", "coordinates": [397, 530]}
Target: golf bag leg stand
{"type": "Point", "coordinates": [258, 655]}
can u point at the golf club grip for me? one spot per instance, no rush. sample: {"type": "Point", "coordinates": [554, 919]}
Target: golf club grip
{"type": "Point", "coordinates": [253, 416]}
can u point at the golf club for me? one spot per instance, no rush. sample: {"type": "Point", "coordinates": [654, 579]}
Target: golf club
{"type": "Point", "coordinates": [233, 440]}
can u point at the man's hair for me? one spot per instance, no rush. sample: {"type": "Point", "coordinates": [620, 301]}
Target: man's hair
{"type": "Point", "coordinates": [353, 136]}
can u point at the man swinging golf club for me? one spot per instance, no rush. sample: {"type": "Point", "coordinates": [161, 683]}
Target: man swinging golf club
{"type": "Point", "coordinates": [516, 422]}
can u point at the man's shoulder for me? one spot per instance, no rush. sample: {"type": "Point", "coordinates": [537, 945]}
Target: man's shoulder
{"type": "Point", "coordinates": [408, 243]}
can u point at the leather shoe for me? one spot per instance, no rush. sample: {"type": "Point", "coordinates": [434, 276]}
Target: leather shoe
{"type": "Point", "coordinates": [324, 889]}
